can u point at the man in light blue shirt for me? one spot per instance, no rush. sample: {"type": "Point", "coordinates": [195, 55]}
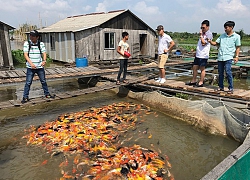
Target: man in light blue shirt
{"type": "Point", "coordinates": [229, 49]}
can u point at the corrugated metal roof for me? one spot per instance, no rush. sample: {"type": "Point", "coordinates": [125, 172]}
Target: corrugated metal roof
{"type": "Point", "coordinates": [10, 27]}
{"type": "Point", "coordinates": [81, 22]}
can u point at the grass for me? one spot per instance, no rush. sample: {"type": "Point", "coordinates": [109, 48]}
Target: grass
{"type": "Point", "coordinates": [182, 96]}
{"type": "Point", "coordinates": [245, 42]}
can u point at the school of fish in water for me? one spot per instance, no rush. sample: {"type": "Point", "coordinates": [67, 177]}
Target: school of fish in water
{"type": "Point", "coordinates": [94, 139]}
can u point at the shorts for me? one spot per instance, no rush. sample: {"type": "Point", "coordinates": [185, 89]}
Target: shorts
{"type": "Point", "coordinates": [200, 61]}
{"type": "Point", "coordinates": [162, 59]}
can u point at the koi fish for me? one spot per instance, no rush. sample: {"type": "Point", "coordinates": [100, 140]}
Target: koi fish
{"type": "Point", "coordinates": [44, 162]}
{"type": "Point", "coordinates": [150, 136]}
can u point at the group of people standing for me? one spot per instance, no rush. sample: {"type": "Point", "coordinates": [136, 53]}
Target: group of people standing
{"type": "Point", "coordinates": [228, 45]}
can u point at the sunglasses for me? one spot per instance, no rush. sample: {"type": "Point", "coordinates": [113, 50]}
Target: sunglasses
{"type": "Point", "coordinates": [202, 27]}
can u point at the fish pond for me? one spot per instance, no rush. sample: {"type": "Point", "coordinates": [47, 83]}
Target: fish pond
{"type": "Point", "coordinates": [102, 135]}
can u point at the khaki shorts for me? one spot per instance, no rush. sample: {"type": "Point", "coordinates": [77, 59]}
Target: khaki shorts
{"type": "Point", "coordinates": [162, 59]}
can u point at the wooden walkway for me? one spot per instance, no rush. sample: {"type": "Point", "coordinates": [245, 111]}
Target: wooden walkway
{"type": "Point", "coordinates": [18, 76]}
{"type": "Point", "coordinates": [71, 94]}
{"type": "Point", "coordinates": [208, 91]}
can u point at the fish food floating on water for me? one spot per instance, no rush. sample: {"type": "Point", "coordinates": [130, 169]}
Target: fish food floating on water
{"type": "Point", "coordinates": [91, 138]}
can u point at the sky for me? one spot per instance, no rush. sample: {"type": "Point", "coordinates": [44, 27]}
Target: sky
{"type": "Point", "coordinates": [174, 15]}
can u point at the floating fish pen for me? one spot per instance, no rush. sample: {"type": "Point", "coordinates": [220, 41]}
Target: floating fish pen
{"type": "Point", "coordinates": [101, 136]}
{"type": "Point", "coordinates": [135, 135]}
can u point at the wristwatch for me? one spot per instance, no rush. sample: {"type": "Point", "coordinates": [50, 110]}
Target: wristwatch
{"type": "Point", "coordinates": [236, 56]}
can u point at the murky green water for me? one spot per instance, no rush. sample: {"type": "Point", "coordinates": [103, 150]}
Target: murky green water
{"type": "Point", "coordinates": [192, 153]}
{"type": "Point", "coordinates": [15, 92]}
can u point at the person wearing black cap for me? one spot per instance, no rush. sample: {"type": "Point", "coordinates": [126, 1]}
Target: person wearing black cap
{"type": "Point", "coordinates": [165, 45]}
{"type": "Point", "coordinates": [35, 55]}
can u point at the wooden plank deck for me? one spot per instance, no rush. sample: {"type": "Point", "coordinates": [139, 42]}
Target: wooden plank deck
{"type": "Point", "coordinates": [207, 89]}
{"type": "Point", "coordinates": [65, 95]}
{"type": "Point", "coordinates": [17, 76]}
{"type": "Point", "coordinates": [239, 94]}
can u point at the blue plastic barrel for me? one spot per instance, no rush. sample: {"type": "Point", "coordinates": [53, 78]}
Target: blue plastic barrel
{"type": "Point", "coordinates": [81, 62]}
{"type": "Point", "coordinates": [178, 53]}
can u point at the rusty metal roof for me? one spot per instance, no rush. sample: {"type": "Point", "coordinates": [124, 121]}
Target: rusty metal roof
{"type": "Point", "coordinates": [9, 27]}
{"type": "Point", "coordinates": [81, 22]}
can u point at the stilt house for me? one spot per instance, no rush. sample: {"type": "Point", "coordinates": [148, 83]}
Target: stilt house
{"type": "Point", "coordinates": [97, 35]}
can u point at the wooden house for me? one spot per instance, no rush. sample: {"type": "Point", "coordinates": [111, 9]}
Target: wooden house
{"type": "Point", "coordinates": [97, 35]}
{"type": "Point", "coordinates": [6, 59]}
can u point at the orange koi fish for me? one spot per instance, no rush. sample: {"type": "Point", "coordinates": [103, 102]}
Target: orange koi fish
{"type": "Point", "coordinates": [44, 162]}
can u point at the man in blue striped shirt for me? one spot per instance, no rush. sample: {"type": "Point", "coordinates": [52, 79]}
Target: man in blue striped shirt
{"type": "Point", "coordinates": [35, 55]}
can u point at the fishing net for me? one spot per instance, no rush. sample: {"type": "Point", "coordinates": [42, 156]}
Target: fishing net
{"type": "Point", "coordinates": [213, 116]}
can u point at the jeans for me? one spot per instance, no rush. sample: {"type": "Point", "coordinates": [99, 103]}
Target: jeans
{"type": "Point", "coordinates": [123, 66]}
{"type": "Point", "coordinates": [29, 78]}
{"type": "Point", "coordinates": [225, 65]}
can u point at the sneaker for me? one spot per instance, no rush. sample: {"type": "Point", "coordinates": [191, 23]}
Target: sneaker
{"type": "Point", "coordinates": [230, 91]}
{"type": "Point", "coordinates": [158, 80]}
{"type": "Point", "coordinates": [163, 80]}
{"type": "Point", "coordinates": [49, 96]}
{"type": "Point", "coordinates": [24, 100]}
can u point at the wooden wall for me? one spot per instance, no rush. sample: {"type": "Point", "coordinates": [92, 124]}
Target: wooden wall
{"type": "Point", "coordinates": [91, 43]}
{"type": "Point", "coordinates": [88, 43]}
{"type": "Point", "coordinates": [125, 21]}
{"type": "Point", "coordinates": [6, 59]}
{"type": "Point", "coordinates": [1, 53]}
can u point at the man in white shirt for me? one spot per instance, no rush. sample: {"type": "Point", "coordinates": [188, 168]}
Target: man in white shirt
{"type": "Point", "coordinates": [123, 50]}
{"type": "Point", "coordinates": [202, 55]}
{"type": "Point", "coordinates": [165, 45]}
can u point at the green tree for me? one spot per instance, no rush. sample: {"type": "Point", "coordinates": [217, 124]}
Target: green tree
{"type": "Point", "coordinates": [241, 33]}
{"type": "Point", "coordinates": [20, 32]}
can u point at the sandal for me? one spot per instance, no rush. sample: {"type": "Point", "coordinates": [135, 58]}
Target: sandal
{"type": "Point", "coordinates": [219, 90]}
{"type": "Point", "coordinates": [198, 85]}
{"type": "Point", "coordinates": [118, 83]}
{"type": "Point", "coordinates": [190, 83]}
{"type": "Point", "coordinates": [125, 81]}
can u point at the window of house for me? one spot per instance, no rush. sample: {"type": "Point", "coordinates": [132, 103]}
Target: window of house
{"type": "Point", "coordinates": [52, 42]}
{"type": "Point", "coordinates": [109, 40]}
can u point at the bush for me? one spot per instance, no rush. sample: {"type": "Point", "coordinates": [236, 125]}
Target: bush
{"type": "Point", "coordinates": [18, 57]}
{"type": "Point", "coordinates": [188, 48]}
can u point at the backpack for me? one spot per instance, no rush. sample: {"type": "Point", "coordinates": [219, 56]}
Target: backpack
{"type": "Point", "coordinates": [39, 47]}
